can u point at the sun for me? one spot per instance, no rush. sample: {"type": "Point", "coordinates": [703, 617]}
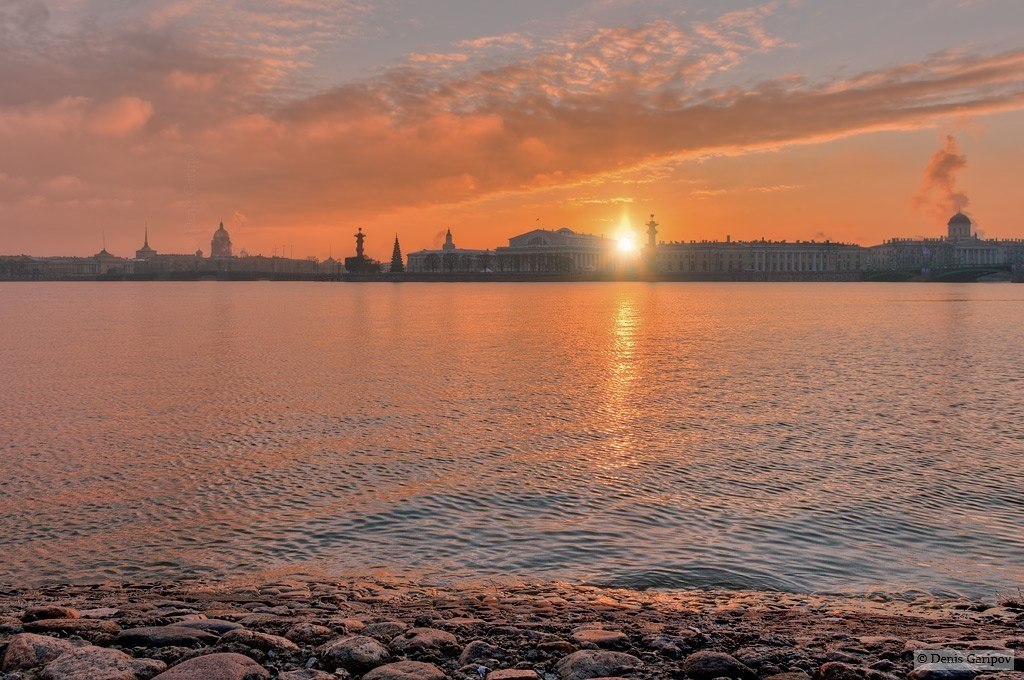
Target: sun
{"type": "Point", "coordinates": [627, 243]}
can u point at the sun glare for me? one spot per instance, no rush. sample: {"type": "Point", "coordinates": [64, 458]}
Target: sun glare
{"type": "Point", "coordinates": [627, 243]}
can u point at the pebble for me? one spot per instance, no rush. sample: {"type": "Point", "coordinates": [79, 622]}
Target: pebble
{"type": "Point", "coordinates": [385, 631]}
{"type": "Point", "coordinates": [406, 670]}
{"type": "Point", "coordinates": [599, 637]}
{"type": "Point", "coordinates": [215, 626]}
{"type": "Point", "coordinates": [164, 636]}
{"type": "Point", "coordinates": [423, 640]}
{"type": "Point", "coordinates": [265, 642]}
{"type": "Point", "coordinates": [311, 674]}
{"type": "Point", "coordinates": [216, 667]}
{"type": "Point", "coordinates": [939, 671]}
{"type": "Point", "coordinates": [90, 663]}
{"type": "Point", "coordinates": [29, 650]}
{"type": "Point", "coordinates": [310, 634]}
{"type": "Point", "coordinates": [355, 653]}
{"type": "Point", "coordinates": [49, 612]}
{"type": "Point", "coordinates": [708, 665]}
{"type": "Point", "coordinates": [81, 627]}
{"type": "Point", "coordinates": [587, 664]}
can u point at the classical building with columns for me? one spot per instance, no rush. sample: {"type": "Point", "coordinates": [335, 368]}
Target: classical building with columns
{"type": "Point", "coordinates": [761, 259]}
{"type": "Point", "coordinates": [960, 248]}
{"type": "Point", "coordinates": [560, 250]}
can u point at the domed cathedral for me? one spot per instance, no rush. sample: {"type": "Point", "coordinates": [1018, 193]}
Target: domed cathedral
{"type": "Point", "coordinates": [220, 246]}
{"type": "Point", "coordinates": [959, 226]}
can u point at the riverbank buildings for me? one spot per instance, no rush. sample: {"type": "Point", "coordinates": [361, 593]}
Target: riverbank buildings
{"type": "Point", "coordinates": [450, 259]}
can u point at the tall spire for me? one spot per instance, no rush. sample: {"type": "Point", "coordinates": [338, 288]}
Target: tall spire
{"type": "Point", "coordinates": [397, 262]}
{"type": "Point", "coordinates": [145, 240]}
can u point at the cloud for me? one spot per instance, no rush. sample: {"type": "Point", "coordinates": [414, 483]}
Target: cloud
{"type": "Point", "coordinates": [117, 117]}
{"type": "Point", "coordinates": [939, 193]}
{"type": "Point", "coordinates": [120, 108]}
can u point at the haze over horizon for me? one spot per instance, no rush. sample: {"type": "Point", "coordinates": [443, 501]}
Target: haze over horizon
{"type": "Point", "coordinates": [297, 121]}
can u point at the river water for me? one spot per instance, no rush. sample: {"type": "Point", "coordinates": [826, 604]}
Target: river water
{"type": "Point", "coordinates": [801, 436]}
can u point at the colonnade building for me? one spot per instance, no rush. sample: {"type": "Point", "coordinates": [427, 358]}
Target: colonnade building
{"type": "Point", "coordinates": [798, 258]}
{"type": "Point", "coordinates": [559, 250]}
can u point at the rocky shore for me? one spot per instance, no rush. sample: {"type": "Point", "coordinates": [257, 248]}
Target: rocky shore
{"type": "Point", "coordinates": [379, 630]}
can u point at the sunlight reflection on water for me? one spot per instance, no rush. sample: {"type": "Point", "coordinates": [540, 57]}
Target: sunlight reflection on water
{"type": "Point", "coordinates": [798, 436]}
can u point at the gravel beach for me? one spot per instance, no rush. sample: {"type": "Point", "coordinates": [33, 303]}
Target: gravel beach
{"type": "Point", "coordinates": [380, 630]}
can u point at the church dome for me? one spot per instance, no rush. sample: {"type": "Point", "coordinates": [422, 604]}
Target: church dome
{"type": "Point", "coordinates": [959, 219]}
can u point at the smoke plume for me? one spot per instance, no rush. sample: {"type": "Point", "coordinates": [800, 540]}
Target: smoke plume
{"type": "Point", "coordinates": [939, 193]}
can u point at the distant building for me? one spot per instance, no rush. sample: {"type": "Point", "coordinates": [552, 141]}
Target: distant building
{"type": "Point", "coordinates": [449, 259]}
{"type": "Point", "coordinates": [761, 259]}
{"type": "Point", "coordinates": [331, 268]}
{"type": "Point", "coordinates": [65, 268]}
{"type": "Point", "coordinates": [960, 248]}
{"type": "Point", "coordinates": [145, 252]}
{"type": "Point", "coordinates": [220, 246]}
{"type": "Point", "coordinates": [561, 250]}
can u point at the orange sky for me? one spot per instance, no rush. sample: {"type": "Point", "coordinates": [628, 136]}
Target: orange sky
{"type": "Point", "coordinates": [302, 120]}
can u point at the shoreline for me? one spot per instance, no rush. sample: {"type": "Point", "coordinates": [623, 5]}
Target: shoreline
{"type": "Point", "coordinates": [306, 628]}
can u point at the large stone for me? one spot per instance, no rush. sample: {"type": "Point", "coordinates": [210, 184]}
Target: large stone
{"type": "Point", "coordinates": [164, 636]}
{"type": "Point", "coordinates": [943, 671]}
{"type": "Point", "coordinates": [512, 674]}
{"type": "Point", "coordinates": [708, 665]}
{"type": "Point", "coordinates": [837, 670]}
{"type": "Point", "coordinates": [789, 675]}
{"type": "Point", "coordinates": [262, 641]}
{"type": "Point", "coordinates": [90, 663]}
{"type": "Point", "coordinates": [147, 668]}
{"type": "Point", "coordinates": [49, 612]}
{"type": "Point", "coordinates": [385, 631]}
{"type": "Point", "coordinates": [82, 627]}
{"type": "Point", "coordinates": [480, 650]}
{"type": "Point", "coordinates": [216, 667]}
{"type": "Point", "coordinates": [599, 637]}
{"type": "Point", "coordinates": [423, 640]}
{"type": "Point", "coordinates": [587, 664]}
{"type": "Point", "coordinates": [215, 626]}
{"type": "Point", "coordinates": [310, 634]}
{"type": "Point", "coordinates": [355, 653]}
{"type": "Point", "coordinates": [311, 674]}
{"type": "Point", "coordinates": [29, 650]}
{"type": "Point", "coordinates": [406, 670]}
